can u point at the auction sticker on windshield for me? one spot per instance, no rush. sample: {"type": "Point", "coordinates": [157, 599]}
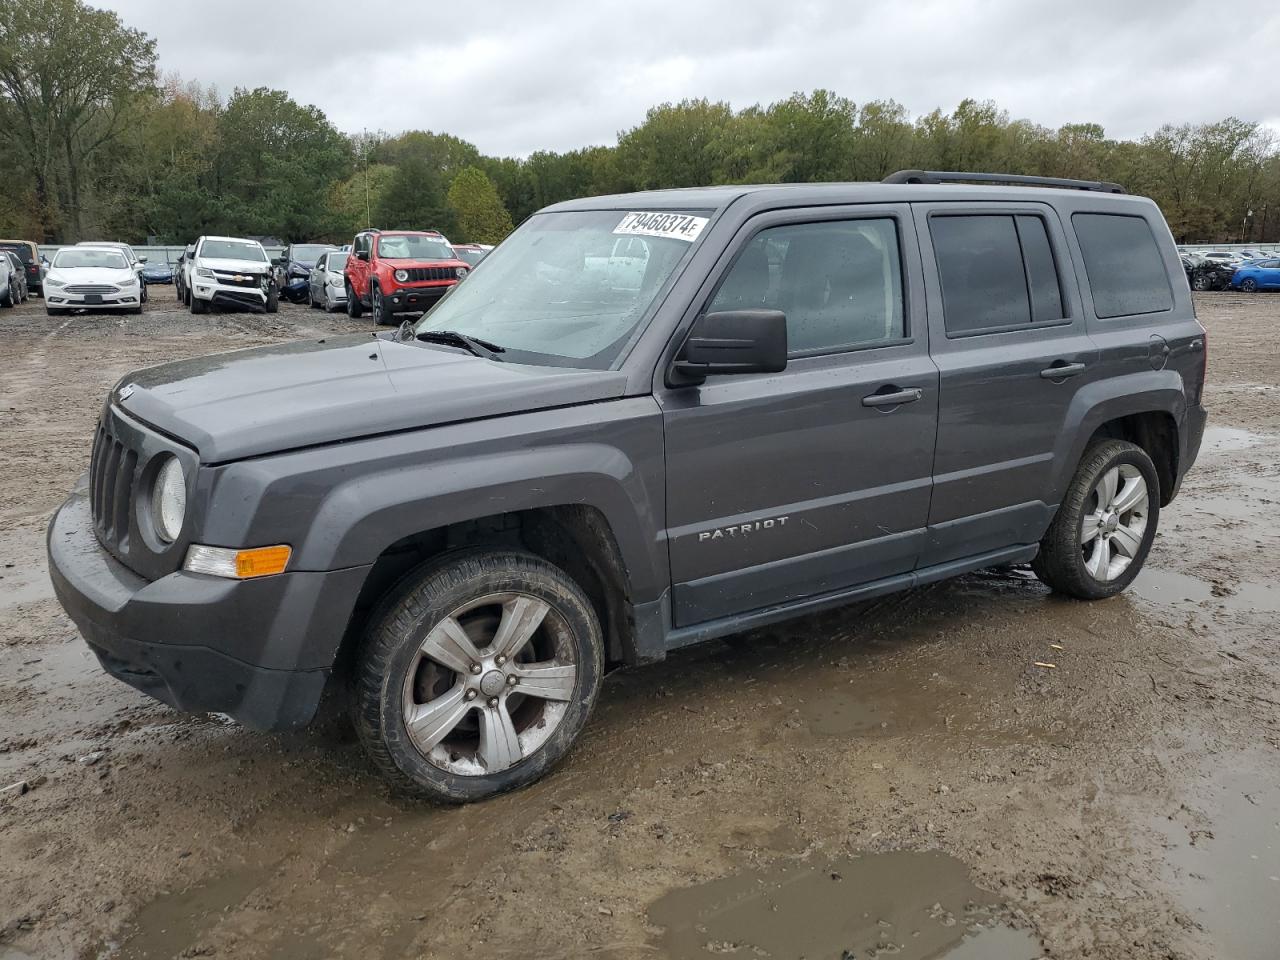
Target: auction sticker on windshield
{"type": "Point", "coordinates": [677, 226]}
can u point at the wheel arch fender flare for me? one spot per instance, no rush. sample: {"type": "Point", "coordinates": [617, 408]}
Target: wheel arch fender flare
{"type": "Point", "coordinates": [1113, 398]}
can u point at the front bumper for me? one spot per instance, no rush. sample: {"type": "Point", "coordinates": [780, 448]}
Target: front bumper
{"type": "Point", "coordinates": [226, 295]}
{"type": "Point", "coordinates": [414, 299]}
{"type": "Point", "coordinates": [124, 300]}
{"type": "Point", "coordinates": [258, 650]}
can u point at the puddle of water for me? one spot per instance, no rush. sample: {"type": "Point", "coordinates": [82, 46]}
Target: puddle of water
{"type": "Point", "coordinates": [175, 922]}
{"type": "Point", "coordinates": [912, 906]}
{"type": "Point", "coordinates": [1170, 587]}
{"type": "Point", "coordinates": [1218, 439]}
{"type": "Point", "coordinates": [1229, 870]}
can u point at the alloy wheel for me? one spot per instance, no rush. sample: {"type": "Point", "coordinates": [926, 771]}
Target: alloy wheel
{"type": "Point", "coordinates": [1248, 286]}
{"type": "Point", "coordinates": [1112, 530]}
{"type": "Point", "coordinates": [489, 684]}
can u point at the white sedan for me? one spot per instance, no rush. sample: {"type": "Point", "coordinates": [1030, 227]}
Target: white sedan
{"type": "Point", "coordinates": [91, 278]}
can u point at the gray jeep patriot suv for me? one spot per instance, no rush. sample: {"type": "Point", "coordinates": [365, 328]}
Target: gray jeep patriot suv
{"type": "Point", "coordinates": [644, 421]}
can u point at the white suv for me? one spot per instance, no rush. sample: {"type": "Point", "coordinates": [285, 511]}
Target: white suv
{"type": "Point", "coordinates": [232, 273]}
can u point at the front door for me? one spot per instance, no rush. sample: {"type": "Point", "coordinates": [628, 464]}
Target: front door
{"type": "Point", "coordinates": [792, 485]}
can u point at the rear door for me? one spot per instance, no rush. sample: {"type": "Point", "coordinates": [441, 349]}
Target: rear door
{"type": "Point", "coordinates": [1008, 334]}
{"type": "Point", "coordinates": [791, 485]}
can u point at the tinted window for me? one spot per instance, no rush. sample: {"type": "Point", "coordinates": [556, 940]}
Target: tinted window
{"type": "Point", "coordinates": [1042, 275]}
{"type": "Point", "coordinates": [1126, 272]}
{"type": "Point", "coordinates": [980, 264]}
{"type": "Point", "coordinates": [21, 249]}
{"type": "Point", "coordinates": [839, 283]}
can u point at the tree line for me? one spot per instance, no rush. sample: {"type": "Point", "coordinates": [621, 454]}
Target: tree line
{"type": "Point", "coordinates": [94, 143]}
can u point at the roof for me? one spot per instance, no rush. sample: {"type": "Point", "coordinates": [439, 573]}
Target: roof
{"type": "Point", "coordinates": [805, 194]}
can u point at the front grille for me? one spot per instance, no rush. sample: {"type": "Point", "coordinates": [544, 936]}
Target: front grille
{"type": "Point", "coordinates": [238, 280]}
{"type": "Point", "coordinates": [419, 274]}
{"type": "Point", "coordinates": [85, 289]}
{"type": "Point", "coordinates": [112, 469]}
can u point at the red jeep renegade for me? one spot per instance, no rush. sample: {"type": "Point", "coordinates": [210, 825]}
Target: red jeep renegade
{"type": "Point", "coordinates": [400, 271]}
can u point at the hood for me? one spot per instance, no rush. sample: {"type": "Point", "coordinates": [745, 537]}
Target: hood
{"type": "Point", "coordinates": [235, 266]}
{"type": "Point", "coordinates": [74, 275]}
{"type": "Point", "coordinates": [415, 264]}
{"type": "Point", "coordinates": [270, 399]}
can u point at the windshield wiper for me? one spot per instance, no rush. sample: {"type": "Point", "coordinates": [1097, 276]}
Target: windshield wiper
{"type": "Point", "coordinates": [452, 338]}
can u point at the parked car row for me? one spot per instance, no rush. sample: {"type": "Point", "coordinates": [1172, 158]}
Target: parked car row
{"type": "Point", "coordinates": [384, 272]}
{"type": "Point", "coordinates": [1247, 270]}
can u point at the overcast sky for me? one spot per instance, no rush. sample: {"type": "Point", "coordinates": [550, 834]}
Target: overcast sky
{"type": "Point", "coordinates": [551, 74]}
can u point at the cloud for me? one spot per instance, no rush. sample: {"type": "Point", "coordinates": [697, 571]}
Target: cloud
{"type": "Point", "coordinates": [518, 77]}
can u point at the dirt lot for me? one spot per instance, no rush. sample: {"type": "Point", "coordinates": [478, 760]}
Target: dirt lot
{"type": "Point", "coordinates": [898, 778]}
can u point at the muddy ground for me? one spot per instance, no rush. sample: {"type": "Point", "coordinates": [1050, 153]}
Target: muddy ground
{"type": "Point", "coordinates": [898, 778]}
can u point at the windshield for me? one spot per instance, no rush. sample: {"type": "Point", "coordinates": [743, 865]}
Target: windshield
{"type": "Point", "coordinates": [413, 248]}
{"type": "Point", "coordinates": [233, 250]}
{"type": "Point", "coordinates": [569, 289]}
{"type": "Point", "coordinates": [90, 257]}
{"type": "Point", "coordinates": [469, 257]}
{"type": "Point", "coordinates": [310, 252]}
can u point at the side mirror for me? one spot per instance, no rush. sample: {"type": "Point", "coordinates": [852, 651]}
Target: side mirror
{"type": "Point", "coordinates": [362, 255]}
{"type": "Point", "coordinates": [142, 259]}
{"type": "Point", "coordinates": [734, 341]}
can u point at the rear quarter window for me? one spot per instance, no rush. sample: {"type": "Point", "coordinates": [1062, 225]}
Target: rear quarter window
{"type": "Point", "coordinates": [1122, 261]}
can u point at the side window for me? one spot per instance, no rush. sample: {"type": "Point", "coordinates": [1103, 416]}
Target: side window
{"type": "Point", "coordinates": [997, 271]}
{"type": "Point", "coordinates": [1126, 272]}
{"type": "Point", "coordinates": [838, 282]}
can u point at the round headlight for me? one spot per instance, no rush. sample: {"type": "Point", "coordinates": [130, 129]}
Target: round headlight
{"type": "Point", "coordinates": [169, 500]}
{"type": "Point", "coordinates": [402, 275]}
{"type": "Point", "coordinates": [462, 272]}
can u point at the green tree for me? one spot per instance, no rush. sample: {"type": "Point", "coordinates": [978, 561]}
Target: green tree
{"type": "Point", "coordinates": [70, 76]}
{"type": "Point", "coordinates": [481, 216]}
{"type": "Point", "coordinates": [280, 161]}
{"type": "Point", "coordinates": [414, 199]}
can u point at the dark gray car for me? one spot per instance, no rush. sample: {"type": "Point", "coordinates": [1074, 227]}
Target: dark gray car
{"type": "Point", "coordinates": [781, 399]}
{"type": "Point", "coordinates": [13, 280]}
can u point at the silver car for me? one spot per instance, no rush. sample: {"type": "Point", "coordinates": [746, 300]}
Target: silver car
{"type": "Point", "coordinates": [327, 286]}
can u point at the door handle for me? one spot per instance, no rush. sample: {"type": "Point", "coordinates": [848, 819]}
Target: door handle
{"type": "Point", "coordinates": [1196, 345]}
{"type": "Point", "coordinates": [1060, 370]}
{"type": "Point", "coordinates": [909, 395]}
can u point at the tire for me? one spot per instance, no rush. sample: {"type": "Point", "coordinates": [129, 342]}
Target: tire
{"type": "Point", "coordinates": [1249, 285]}
{"type": "Point", "coordinates": [1094, 549]}
{"type": "Point", "coordinates": [312, 302]}
{"type": "Point", "coordinates": [197, 305]}
{"type": "Point", "coordinates": [54, 311]}
{"type": "Point", "coordinates": [1200, 283]}
{"type": "Point", "coordinates": [142, 298]}
{"type": "Point", "coordinates": [379, 310]}
{"type": "Point", "coordinates": [354, 309]}
{"type": "Point", "coordinates": [7, 299]}
{"type": "Point", "coordinates": [480, 707]}
{"type": "Point", "coordinates": [273, 299]}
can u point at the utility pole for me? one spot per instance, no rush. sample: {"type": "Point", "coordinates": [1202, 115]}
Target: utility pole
{"type": "Point", "coordinates": [368, 211]}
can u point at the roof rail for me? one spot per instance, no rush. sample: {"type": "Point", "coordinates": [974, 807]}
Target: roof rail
{"type": "Point", "coordinates": [954, 176]}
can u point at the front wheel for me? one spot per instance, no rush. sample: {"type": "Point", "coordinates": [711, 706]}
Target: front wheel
{"type": "Point", "coordinates": [1100, 538]}
{"type": "Point", "coordinates": [1200, 283]}
{"type": "Point", "coordinates": [354, 308]}
{"type": "Point", "coordinates": [273, 299]}
{"type": "Point", "coordinates": [197, 305]}
{"type": "Point", "coordinates": [379, 308]}
{"type": "Point", "coordinates": [1249, 285]}
{"type": "Point", "coordinates": [477, 674]}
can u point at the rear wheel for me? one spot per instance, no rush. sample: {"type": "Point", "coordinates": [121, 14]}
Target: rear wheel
{"type": "Point", "coordinates": [1249, 285]}
{"type": "Point", "coordinates": [477, 674]}
{"type": "Point", "coordinates": [1200, 283]}
{"type": "Point", "coordinates": [1102, 534]}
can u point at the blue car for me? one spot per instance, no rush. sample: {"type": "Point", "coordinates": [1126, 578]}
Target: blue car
{"type": "Point", "coordinates": [158, 273]}
{"type": "Point", "coordinates": [1257, 275]}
